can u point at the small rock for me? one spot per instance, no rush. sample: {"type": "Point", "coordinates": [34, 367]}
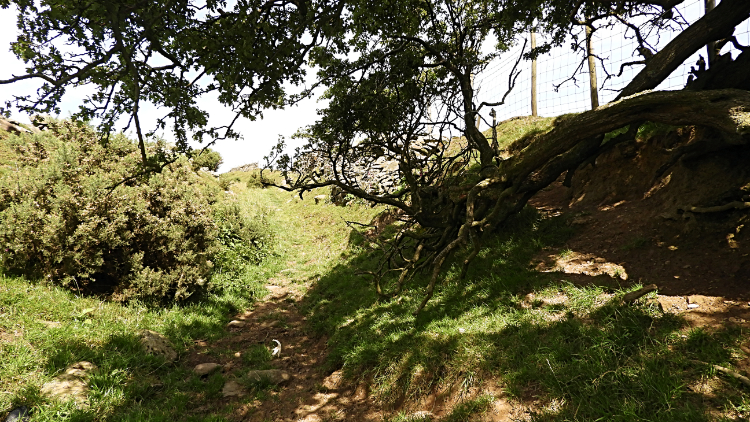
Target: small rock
{"type": "Point", "coordinates": [274, 376]}
{"type": "Point", "coordinates": [236, 324]}
{"type": "Point", "coordinates": [70, 385]}
{"type": "Point", "coordinates": [320, 198]}
{"type": "Point", "coordinates": [157, 344]}
{"type": "Point", "coordinates": [692, 305]}
{"type": "Point", "coordinates": [206, 368]}
{"type": "Point", "coordinates": [80, 369]}
{"type": "Point", "coordinates": [232, 389]}
{"type": "Point", "coordinates": [19, 414]}
{"type": "Point", "coordinates": [420, 415]}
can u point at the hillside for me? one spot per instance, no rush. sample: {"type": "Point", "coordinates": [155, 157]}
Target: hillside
{"type": "Point", "coordinates": [536, 331]}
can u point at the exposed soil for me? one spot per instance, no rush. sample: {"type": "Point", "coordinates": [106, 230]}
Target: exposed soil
{"type": "Point", "coordinates": [314, 395]}
{"type": "Point", "coordinates": [630, 229]}
{"type": "Point", "coordinates": [311, 395]}
{"type": "Point", "coordinates": [636, 229]}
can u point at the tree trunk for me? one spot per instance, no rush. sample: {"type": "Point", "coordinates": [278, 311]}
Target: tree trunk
{"type": "Point", "coordinates": [715, 25]}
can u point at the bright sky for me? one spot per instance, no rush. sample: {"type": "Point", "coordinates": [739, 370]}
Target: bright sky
{"type": "Point", "coordinates": [259, 135]}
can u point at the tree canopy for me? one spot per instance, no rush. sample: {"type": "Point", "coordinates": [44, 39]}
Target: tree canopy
{"type": "Point", "coordinates": [397, 72]}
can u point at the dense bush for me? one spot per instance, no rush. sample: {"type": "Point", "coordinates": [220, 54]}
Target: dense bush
{"type": "Point", "coordinates": [207, 158]}
{"type": "Point", "coordinates": [152, 237]}
{"type": "Point", "coordinates": [246, 239]}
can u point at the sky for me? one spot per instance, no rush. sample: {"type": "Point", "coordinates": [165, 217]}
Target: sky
{"type": "Point", "coordinates": [259, 136]}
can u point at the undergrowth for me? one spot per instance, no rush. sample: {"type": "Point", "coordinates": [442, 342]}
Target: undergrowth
{"type": "Point", "coordinates": [572, 353]}
{"type": "Point", "coordinates": [560, 351]}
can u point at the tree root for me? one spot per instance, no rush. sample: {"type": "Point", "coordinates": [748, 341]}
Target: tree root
{"type": "Point", "coordinates": [739, 205]}
{"type": "Point", "coordinates": [633, 296]}
{"type": "Point", "coordinates": [726, 371]}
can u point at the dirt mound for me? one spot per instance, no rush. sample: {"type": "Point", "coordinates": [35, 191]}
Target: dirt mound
{"type": "Point", "coordinates": [654, 227]}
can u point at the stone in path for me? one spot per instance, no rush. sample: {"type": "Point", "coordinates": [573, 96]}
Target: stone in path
{"type": "Point", "coordinates": [274, 376]}
{"type": "Point", "coordinates": [19, 414]}
{"type": "Point", "coordinates": [206, 368]}
{"type": "Point", "coordinates": [72, 384]}
{"type": "Point", "coordinates": [157, 344]}
{"type": "Point", "coordinates": [233, 389]}
{"type": "Point", "coordinates": [236, 324]}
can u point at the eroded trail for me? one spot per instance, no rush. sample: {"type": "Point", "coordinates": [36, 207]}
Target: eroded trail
{"type": "Point", "coordinates": [314, 240]}
{"type": "Point", "coordinates": [313, 236]}
{"type": "Point", "coordinates": [311, 394]}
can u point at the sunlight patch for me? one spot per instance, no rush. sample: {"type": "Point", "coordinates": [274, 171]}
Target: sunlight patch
{"type": "Point", "coordinates": [570, 262]}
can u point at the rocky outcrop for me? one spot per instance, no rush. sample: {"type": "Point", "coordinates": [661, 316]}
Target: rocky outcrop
{"type": "Point", "coordinates": [12, 126]}
{"type": "Point", "coordinates": [381, 175]}
{"type": "Point", "coordinates": [39, 123]}
{"type": "Point", "coordinates": [246, 167]}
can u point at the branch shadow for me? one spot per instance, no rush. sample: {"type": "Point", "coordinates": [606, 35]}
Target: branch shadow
{"type": "Point", "coordinates": [576, 354]}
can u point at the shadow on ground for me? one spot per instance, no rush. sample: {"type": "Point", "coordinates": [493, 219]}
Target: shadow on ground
{"type": "Point", "coordinates": [554, 350]}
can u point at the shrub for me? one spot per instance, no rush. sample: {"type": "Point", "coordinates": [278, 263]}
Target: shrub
{"type": "Point", "coordinates": [226, 180]}
{"type": "Point", "coordinates": [246, 236]}
{"type": "Point", "coordinates": [207, 158]}
{"type": "Point", "coordinates": [152, 237]}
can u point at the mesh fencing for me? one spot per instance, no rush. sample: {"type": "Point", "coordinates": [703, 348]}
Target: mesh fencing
{"type": "Point", "coordinates": [563, 74]}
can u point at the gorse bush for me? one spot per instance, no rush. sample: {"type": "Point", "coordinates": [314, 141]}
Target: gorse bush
{"type": "Point", "coordinates": [153, 237]}
{"type": "Point", "coordinates": [207, 158]}
{"type": "Point", "coordinates": [244, 236]}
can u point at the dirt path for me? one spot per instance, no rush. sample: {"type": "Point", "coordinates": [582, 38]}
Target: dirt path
{"type": "Point", "coordinates": [312, 238]}
{"type": "Point", "coordinates": [617, 240]}
{"type": "Point", "coordinates": [312, 394]}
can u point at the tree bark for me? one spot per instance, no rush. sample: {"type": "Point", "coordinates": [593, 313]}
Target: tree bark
{"type": "Point", "coordinates": [715, 25]}
{"type": "Point", "coordinates": [712, 109]}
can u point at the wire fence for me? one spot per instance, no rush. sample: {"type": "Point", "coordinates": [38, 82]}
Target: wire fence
{"type": "Point", "coordinates": [563, 76]}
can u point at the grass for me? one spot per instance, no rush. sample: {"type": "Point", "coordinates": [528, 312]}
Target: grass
{"type": "Point", "coordinates": [108, 336]}
{"type": "Point", "coordinates": [509, 131]}
{"type": "Point", "coordinates": [580, 355]}
{"type": "Point", "coordinates": [131, 385]}
{"type": "Point", "coordinates": [575, 354]}
{"type": "Point", "coordinates": [521, 127]}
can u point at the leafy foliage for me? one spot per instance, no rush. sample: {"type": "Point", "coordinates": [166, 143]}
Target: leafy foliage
{"type": "Point", "coordinates": [207, 158]}
{"type": "Point", "coordinates": [151, 237]}
{"type": "Point", "coordinates": [168, 54]}
{"type": "Point", "coordinates": [404, 93]}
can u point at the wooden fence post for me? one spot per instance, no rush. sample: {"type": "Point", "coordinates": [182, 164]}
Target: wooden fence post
{"type": "Point", "coordinates": [533, 76]}
{"type": "Point", "coordinates": [592, 69]}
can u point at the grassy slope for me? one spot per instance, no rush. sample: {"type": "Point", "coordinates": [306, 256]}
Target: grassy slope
{"type": "Point", "coordinates": [131, 385]}
{"type": "Point", "coordinates": [586, 358]}
{"type": "Point", "coordinates": [579, 356]}
{"type": "Point", "coordinates": [582, 359]}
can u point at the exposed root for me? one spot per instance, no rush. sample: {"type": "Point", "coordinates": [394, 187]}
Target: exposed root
{"type": "Point", "coordinates": [739, 205]}
{"type": "Point", "coordinates": [633, 296]}
{"type": "Point", "coordinates": [726, 371]}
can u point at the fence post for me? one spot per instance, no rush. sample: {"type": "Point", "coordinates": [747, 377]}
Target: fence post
{"type": "Point", "coordinates": [710, 4]}
{"type": "Point", "coordinates": [494, 130]}
{"type": "Point", "coordinates": [479, 118]}
{"type": "Point", "coordinates": [592, 69]}
{"type": "Point", "coordinates": [533, 75]}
